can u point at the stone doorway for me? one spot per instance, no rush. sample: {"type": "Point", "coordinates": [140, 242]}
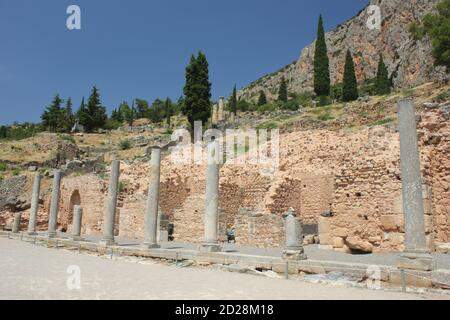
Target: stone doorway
{"type": "Point", "coordinates": [75, 200]}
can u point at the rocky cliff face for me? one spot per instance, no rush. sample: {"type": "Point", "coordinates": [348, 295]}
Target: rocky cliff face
{"type": "Point", "coordinates": [410, 61]}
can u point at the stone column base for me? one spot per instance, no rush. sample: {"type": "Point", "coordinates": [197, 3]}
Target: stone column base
{"type": "Point", "coordinates": [76, 238]}
{"type": "Point", "coordinates": [210, 247]}
{"type": "Point", "coordinates": [146, 245]}
{"type": "Point", "coordinates": [294, 254]}
{"type": "Point", "coordinates": [107, 242]}
{"type": "Point", "coordinates": [415, 261]}
{"type": "Point", "coordinates": [34, 233]}
{"type": "Point", "coordinates": [51, 235]}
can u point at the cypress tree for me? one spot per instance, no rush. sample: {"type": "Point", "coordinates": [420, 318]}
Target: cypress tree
{"type": "Point", "coordinates": [322, 81]}
{"type": "Point", "coordinates": [53, 116]}
{"type": "Point", "coordinates": [197, 90]}
{"type": "Point", "coordinates": [350, 89]}
{"type": "Point", "coordinates": [262, 100]}
{"type": "Point", "coordinates": [383, 83]}
{"type": "Point", "coordinates": [283, 91]}
{"type": "Point", "coordinates": [233, 101]}
{"type": "Point", "coordinates": [168, 110]}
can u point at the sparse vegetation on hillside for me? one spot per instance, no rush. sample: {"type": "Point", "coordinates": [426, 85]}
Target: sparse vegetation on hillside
{"type": "Point", "coordinates": [437, 26]}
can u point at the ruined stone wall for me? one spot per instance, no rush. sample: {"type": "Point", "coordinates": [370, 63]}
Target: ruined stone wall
{"type": "Point", "coordinates": [434, 134]}
{"type": "Point", "coordinates": [92, 193]}
{"type": "Point", "coordinates": [262, 230]}
{"type": "Point", "coordinates": [357, 172]}
{"type": "Point", "coordinates": [368, 208]}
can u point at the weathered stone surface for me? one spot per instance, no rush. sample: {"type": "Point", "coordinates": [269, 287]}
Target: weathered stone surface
{"type": "Point", "coordinates": [401, 53]}
{"type": "Point", "coordinates": [356, 243]}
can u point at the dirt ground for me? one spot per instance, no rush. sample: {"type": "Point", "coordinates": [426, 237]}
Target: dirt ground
{"type": "Point", "coordinates": [32, 272]}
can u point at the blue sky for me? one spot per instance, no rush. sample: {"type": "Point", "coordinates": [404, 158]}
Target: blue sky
{"type": "Point", "coordinates": [140, 48]}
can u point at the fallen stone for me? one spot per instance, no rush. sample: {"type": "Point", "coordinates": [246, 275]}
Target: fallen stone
{"type": "Point", "coordinates": [236, 268]}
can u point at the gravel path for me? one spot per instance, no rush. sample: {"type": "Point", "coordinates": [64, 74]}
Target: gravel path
{"type": "Point", "coordinates": [33, 272]}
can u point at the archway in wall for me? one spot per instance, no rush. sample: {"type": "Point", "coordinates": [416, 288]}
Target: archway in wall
{"type": "Point", "coordinates": [75, 200]}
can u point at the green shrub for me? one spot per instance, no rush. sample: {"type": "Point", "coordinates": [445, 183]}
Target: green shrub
{"type": "Point", "coordinates": [407, 93]}
{"type": "Point", "coordinates": [15, 172]}
{"type": "Point", "coordinates": [268, 107]}
{"type": "Point", "coordinates": [290, 105]}
{"type": "Point", "coordinates": [324, 101]}
{"type": "Point", "coordinates": [382, 122]}
{"type": "Point", "coordinates": [443, 97]}
{"type": "Point", "coordinates": [336, 92]}
{"type": "Point", "coordinates": [268, 125]}
{"type": "Point", "coordinates": [3, 166]}
{"type": "Point", "coordinates": [325, 117]}
{"type": "Point", "coordinates": [125, 145]}
{"type": "Point", "coordinates": [67, 137]}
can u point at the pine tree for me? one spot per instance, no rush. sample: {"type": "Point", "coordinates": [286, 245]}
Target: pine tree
{"type": "Point", "coordinates": [233, 101]}
{"type": "Point", "coordinates": [126, 112]}
{"type": "Point", "coordinates": [142, 109]}
{"type": "Point", "coordinates": [283, 91]}
{"type": "Point", "coordinates": [262, 100]}
{"type": "Point", "coordinates": [94, 114]}
{"type": "Point", "coordinates": [383, 83]}
{"type": "Point", "coordinates": [322, 81]}
{"type": "Point", "coordinates": [69, 118]}
{"type": "Point", "coordinates": [350, 89]}
{"type": "Point", "coordinates": [197, 90]}
{"type": "Point", "coordinates": [117, 116]}
{"type": "Point", "coordinates": [53, 116]}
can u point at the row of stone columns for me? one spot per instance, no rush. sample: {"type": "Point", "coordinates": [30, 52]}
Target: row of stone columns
{"type": "Point", "coordinates": [416, 255]}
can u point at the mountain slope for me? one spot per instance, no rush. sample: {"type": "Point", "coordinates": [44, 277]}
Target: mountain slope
{"type": "Point", "coordinates": [410, 61]}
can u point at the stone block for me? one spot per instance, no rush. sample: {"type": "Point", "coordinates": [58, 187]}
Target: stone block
{"type": "Point", "coordinates": [340, 232]}
{"type": "Point", "coordinates": [325, 239]}
{"type": "Point", "coordinates": [412, 279]}
{"type": "Point", "coordinates": [388, 223]}
{"type": "Point", "coordinates": [280, 267]}
{"type": "Point", "coordinates": [441, 279]}
{"type": "Point", "coordinates": [415, 261]}
{"type": "Point", "coordinates": [356, 243]}
{"type": "Point", "coordinates": [324, 225]}
{"type": "Point", "coordinates": [400, 221]}
{"type": "Point", "coordinates": [338, 242]}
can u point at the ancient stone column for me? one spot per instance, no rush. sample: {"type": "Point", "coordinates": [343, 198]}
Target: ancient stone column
{"type": "Point", "coordinates": [34, 205]}
{"type": "Point", "coordinates": [416, 255]}
{"type": "Point", "coordinates": [54, 205]}
{"type": "Point", "coordinates": [111, 204]}
{"type": "Point", "coordinates": [211, 217]}
{"type": "Point", "coordinates": [221, 109]}
{"type": "Point", "coordinates": [76, 227]}
{"type": "Point", "coordinates": [214, 115]}
{"type": "Point", "coordinates": [151, 223]}
{"type": "Point", "coordinates": [294, 237]}
{"type": "Point", "coordinates": [17, 221]}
